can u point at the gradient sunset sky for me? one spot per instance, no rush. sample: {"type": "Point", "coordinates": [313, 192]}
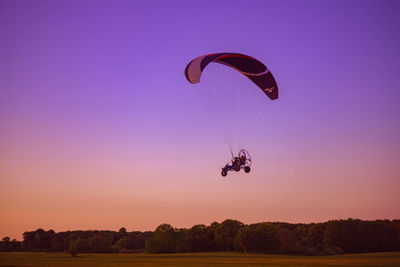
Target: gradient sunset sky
{"type": "Point", "coordinates": [99, 129]}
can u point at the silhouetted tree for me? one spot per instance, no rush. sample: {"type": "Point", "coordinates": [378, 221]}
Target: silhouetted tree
{"type": "Point", "coordinates": [122, 244]}
{"type": "Point", "coordinates": [180, 240]}
{"type": "Point", "coordinates": [342, 234]}
{"type": "Point", "coordinates": [57, 244]}
{"type": "Point", "coordinates": [225, 234]}
{"type": "Point", "coordinates": [162, 241]}
{"type": "Point", "coordinates": [315, 234]}
{"type": "Point", "coordinates": [5, 244]}
{"type": "Point", "coordinates": [73, 249]}
{"type": "Point", "coordinates": [197, 238]}
{"type": "Point", "coordinates": [332, 237]}
{"type": "Point", "coordinates": [376, 236]}
{"type": "Point", "coordinates": [98, 244]}
{"type": "Point", "coordinates": [246, 239]}
{"type": "Point", "coordinates": [289, 240]}
{"type": "Point", "coordinates": [268, 238]}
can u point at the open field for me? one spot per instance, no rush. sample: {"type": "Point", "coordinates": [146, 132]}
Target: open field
{"type": "Point", "coordinates": [197, 259]}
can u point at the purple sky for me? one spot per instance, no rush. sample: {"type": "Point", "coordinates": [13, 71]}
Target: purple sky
{"type": "Point", "coordinates": [100, 129]}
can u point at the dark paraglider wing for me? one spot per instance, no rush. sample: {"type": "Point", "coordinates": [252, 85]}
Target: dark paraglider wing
{"type": "Point", "coordinates": [252, 68]}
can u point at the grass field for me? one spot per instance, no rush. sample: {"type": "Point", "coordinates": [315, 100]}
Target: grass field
{"type": "Point", "coordinates": [197, 259]}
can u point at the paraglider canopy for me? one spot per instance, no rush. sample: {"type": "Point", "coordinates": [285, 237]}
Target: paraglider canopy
{"type": "Point", "coordinates": [252, 68]}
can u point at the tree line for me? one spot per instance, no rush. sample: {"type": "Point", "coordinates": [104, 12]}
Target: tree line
{"type": "Point", "coordinates": [328, 238]}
